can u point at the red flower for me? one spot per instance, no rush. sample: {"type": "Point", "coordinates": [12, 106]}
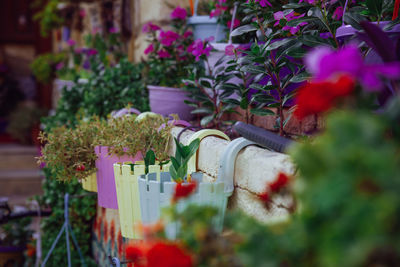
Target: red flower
{"type": "Point", "coordinates": [168, 255]}
{"type": "Point", "coordinates": [318, 97]}
{"type": "Point", "coordinates": [279, 183]}
{"type": "Point", "coordinates": [134, 253]}
{"type": "Point", "coordinates": [183, 190]}
{"type": "Point", "coordinates": [112, 234]}
{"type": "Point", "coordinates": [80, 168]}
{"type": "Point", "coordinates": [105, 231]}
{"type": "Point", "coordinates": [31, 250]}
{"type": "Point", "coordinates": [120, 242]}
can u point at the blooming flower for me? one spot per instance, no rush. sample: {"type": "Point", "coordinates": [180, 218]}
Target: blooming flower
{"type": "Point", "coordinates": [312, 2]}
{"type": "Point", "coordinates": [219, 9]}
{"type": "Point", "coordinates": [187, 34]}
{"type": "Point", "coordinates": [179, 13]}
{"type": "Point", "coordinates": [113, 30]}
{"type": "Point", "coordinates": [338, 13]}
{"type": "Point", "coordinates": [150, 27]}
{"type": "Point", "coordinates": [324, 63]}
{"type": "Point", "coordinates": [278, 16]}
{"type": "Point", "coordinates": [149, 49]}
{"type": "Point", "coordinates": [199, 48]}
{"type": "Point", "coordinates": [230, 50]}
{"type": "Point", "coordinates": [262, 3]}
{"type": "Point", "coordinates": [163, 54]}
{"type": "Point", "coordinates": [319, 96]}
{"type": "Point", "coordinates": [91, 52]}
{"type": "Point", "coordinates": [60, 65]}
{"type": "Point", "coordinates": [236, 23]}
{"type": "Point", "coordinates": [183, 190]}
{"type": "Point", "coordinates": [82, 13]}
{"type": "Point", "coordinates": [167, 38]}
{"type": "Point", "coordinates": [71, 42]}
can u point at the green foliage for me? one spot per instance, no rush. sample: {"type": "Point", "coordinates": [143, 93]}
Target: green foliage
{"type": "Point", "coordinates": [178, 169]}
{"type": "Point", "coordinates": [16, 233]}
{"type": "Point", "coordinates": [49, 17]}
{"type": "Point", "coordinates": [44, 66]}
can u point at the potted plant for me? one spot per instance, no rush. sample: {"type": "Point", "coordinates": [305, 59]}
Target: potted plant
{"type": "Point", "coordinates": [167, 64]}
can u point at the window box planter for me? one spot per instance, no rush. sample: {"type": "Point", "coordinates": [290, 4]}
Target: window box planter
{"type": "Point", "coordinates": [107, 194]}
{"type": "Point", "coordinates": [169, 100]}
{"type": "Point", "coordinates": [90, 183]}
{"type": "Point", "coordinates": [156, 190]}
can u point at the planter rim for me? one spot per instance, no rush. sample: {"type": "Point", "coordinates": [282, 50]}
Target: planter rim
{"type": "Point", "coordinates": [221, 46]}
{"type": "Point", "coordinates": [163, 88]}
{"type": "Point", "coordinates": [204, 19]}
{"type": "Point", "coordinates": [348, 30]}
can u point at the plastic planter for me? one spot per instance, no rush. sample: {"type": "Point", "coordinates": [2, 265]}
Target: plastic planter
{"type": "Point", "coordinates": [107, 194]}
{"type": "Point", "coordinates": [206, 27]}
{"type": "Point", "coordinates": [169, 100]}
{"type": "Point", "coordinates": [90, 183]}
{"type": "Point", "coordinates": [156, 191]}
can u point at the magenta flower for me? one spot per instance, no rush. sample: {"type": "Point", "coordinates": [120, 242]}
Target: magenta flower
{"type": "Point", "coordinates": [311, 2]}
{"type": "Point", "coordinates": [91, 52]}
{"type": "Point", "coordinates": [199, 48]}
{"type": "Point", "coordinates": [113, 30]}
{"type": "Point", "coordinates": [219, 9]}
{"type": "Point", "coordinates": [163, 54]}
{"type": "Point", "coordinates": [324, 63]}
{"type": "Point", "coordinates": [71, 42]}
{"type": "Point", "coordinates": [149, 49]}
{"type": "Point", "coordinates": [60, 65]}
{"type": "Point", "coordinates": [150, 27]}
{"type": "Point", "coordinates": [236, 23]}
{"type": "Point", "coordinates": [230, 50]}
{"type": "Point", "coordinates": [167, 38]}
{"type": "Point", "coordinates": [179, 13]}
{"type": "Point", "coordinates": [278, 16]}
{"type": "Point", "coordinates": [262, 3]}
{"type": "Point", "coordinates": [82, 13]}
{"type": "Point", "coordinates": [338, 13]}
{"type": "Point", "coordinates": [78, 50]}
{"type": "Point", "coordinates": [187, 34]}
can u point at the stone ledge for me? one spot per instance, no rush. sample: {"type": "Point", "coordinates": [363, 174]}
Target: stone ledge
{"type": "Point", "coordinates": [254, 168]}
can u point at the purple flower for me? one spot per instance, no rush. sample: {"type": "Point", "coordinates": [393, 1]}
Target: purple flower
{"type": "Point", "coordinates": [71, 42]}
{"type": "Point", "coordinates": [324, 63]}
{"type": "Point", "coordinates": [113, 30]}
{"type": "Point", "coordinates": [78, 50]}
{"type": "Point", "coordinates": [92, 52]}
{"type": "Point", "coordinates": [150, 27]}
{"type": "Point", "coordinates": [179, 13]}
{"type": "Point", "coordinates": [82, 13]}
{"type": "Point", "coordinates": [278, 16]}
{"type": "Point", "coordinates": [236, 23]}
{"type": "Point", "coordinates": [187, 34]}
{"type": "Point", "coordinates": [149, 49]}
{"type": "Point", "coordinates": [262, 3]}
{"type": "Point", "coordinates": [163, 54]}
{"type": "Point", "coordinates": [86, 64]}
{"type": "Point", "coordinates": [199, 48]}
{"type": "Point", "coordinates": [167, 38]}
{"type": "Point", "coordinates": [338, 13]}
{"type": "Point", "coordinates": [311, 2]}
{"type": "Point", "coordinates": [60, 65]}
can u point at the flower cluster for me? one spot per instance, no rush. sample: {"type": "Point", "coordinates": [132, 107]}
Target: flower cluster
{"type": "Point", "coordinates": [280, 15]}
{"type": "Point", "coordinates": [168, 55]}
{"type": "Point", "coordinates": [200, 48]}
{"type": "Point", "coordinates": [183, 190]}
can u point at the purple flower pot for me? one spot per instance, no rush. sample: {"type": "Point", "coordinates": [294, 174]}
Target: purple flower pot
{"type": "Point", "coordinates": [107, 193]}
{"type": "Point", "coordinates": [168, 100]}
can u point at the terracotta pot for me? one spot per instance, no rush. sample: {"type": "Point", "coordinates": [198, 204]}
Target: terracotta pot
{"type": "Point", "coordinates": [169, 100]}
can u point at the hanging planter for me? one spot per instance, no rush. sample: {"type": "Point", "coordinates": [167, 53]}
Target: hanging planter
{"type": "Point", "coordinates": [156, 189]}
{"type": "Point", "coordinates": [90, 183]}
{"type": "Point", "coordinates": [126, 181]}
{"type": "Point", "coordinates": [107, 194]}
{"type": "Point", "coordinates": [205, 27]}
{"type": "Point", "coordinates": [169, 100]}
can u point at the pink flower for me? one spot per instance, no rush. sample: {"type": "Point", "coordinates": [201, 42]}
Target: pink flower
{"type": "Point", "coordinates": [163, 54]}
{"type": "Point", "coordinates": [278, 16]}
{"type": "Point", "coordinates": [82, 13]}
{"type": "Point", "coordinates": [187, 34]}
{"type": "Point", "coordinates": [338, 13]}
{"type": "Point", "coordinates": [60, 65]}
{"type": "Point", "coordinates": [219, 9]}
{"type": "Point", "coordinates": [150, 27]}
{"type": "Point", "coordinates": [167, 38]}
{"type": "Point", "coordinates": [71, 42]}
{"type": "Point", "coordinates": [311, 2]}
{"type": "Point", "coordinates": [199, 48]}
{"type": "Point", "coordinates": [262, 3]}
{"type": "Point", "coordinates": [149, 49]}
{"type": "Point", "coordinates": [179, 13]}
{"type": "Point", "coordinates": [92, 52]}
{"type": "Point", "coordinates": [229, 50]}
{"type": "Point", "coordinates": [236, 23]}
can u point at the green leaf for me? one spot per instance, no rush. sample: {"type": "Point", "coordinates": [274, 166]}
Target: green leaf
{"type": "Point", "coordinates": [375, 6]}
{"type": "Point", "coordinates": [201, 111]}
{"type": "Point", "coordinates": [243, 29]}
{"type": "Point", "coordinates": [296, 22]}
{"type": "Point", "coordinates": [303, 76]}
{"type": "Point", "coordinates": [206, 120]}
{"type": "Point", "coordinates": [278, 44]}
{"type": "Point", "coordinates": [262, 112]}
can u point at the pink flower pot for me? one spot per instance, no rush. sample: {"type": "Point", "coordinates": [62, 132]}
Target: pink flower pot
{"type": "Point", "coordinates": [168, 100]}
{"type": "Point", "coordinates": [107, 193]}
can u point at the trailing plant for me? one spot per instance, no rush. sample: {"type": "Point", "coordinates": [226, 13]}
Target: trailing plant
{"type": "Point", "coordinates": [49, 17]}
{"type": "Point", "coordinates": [16, 233]}
{"type": "Point", "coordinates": [178, 169]}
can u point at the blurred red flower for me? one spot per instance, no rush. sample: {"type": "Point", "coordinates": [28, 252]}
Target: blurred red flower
{"type": "Point", "coordinates": [183, 190]}
{"type": "Point", "coordinates": [279, 183]}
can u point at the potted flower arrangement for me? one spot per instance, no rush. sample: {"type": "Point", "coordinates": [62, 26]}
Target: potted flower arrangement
{"type": "Point", "coordinates": [167, 64]}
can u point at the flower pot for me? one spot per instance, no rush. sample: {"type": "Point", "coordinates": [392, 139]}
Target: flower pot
{"type": "Point", "coordinates": [346, 31]}
{"type": "Point", "coordinates": [157, 189]}
{"type": "Point", "coordinates": [107, 194]}
{"type": "Point", "coordinates": [169, 100]}
{"type": "Point", "coordinates": [90, 183]}
{"type": "Point", "coordinates": [126, 180]}
{"type": "Point", "coordinates": [205, 27]}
